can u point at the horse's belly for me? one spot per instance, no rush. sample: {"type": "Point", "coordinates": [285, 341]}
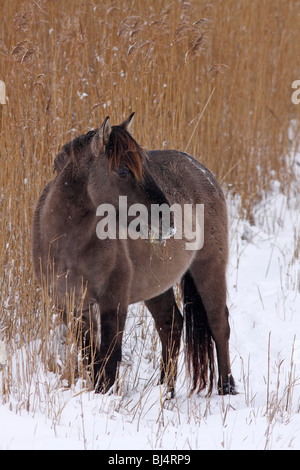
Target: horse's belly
{"type": "Point", "coordinates": [159, 269]}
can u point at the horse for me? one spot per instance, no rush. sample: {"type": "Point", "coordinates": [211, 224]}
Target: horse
{"type": "Point", "coordinates": [102, 169]}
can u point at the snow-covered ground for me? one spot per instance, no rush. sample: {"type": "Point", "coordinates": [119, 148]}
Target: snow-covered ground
{"type": "Point", "coordinates": [264, 303]}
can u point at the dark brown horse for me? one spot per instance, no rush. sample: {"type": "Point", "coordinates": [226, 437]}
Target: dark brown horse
{"type": "Point", "coordinates": [101, 169]}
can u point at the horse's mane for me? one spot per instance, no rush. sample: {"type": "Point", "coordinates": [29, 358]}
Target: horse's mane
{"type": "Point", "coordinates": [121, 149]}
{"type": "Point", "coordinates": [71, 149]}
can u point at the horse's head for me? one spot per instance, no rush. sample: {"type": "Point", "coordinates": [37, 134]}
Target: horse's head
{"type": "Point", "coordinates": [119, 168]}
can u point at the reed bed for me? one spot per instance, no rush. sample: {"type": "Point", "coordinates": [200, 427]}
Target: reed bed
{"type": "Point", "coordinates": [212, 78]}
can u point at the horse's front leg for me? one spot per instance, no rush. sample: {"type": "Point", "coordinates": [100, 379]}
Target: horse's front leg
{"type": "Point", "coordinates": [109, 356]}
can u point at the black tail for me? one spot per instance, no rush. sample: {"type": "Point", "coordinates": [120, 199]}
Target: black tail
{"type": "Point", "coordinates": [198, 337]}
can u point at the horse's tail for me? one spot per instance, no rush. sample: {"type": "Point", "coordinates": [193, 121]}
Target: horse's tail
{"type": "Point", "coordinates": [198, 338]}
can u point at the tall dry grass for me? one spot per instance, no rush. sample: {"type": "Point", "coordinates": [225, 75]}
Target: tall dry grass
{"type": "Point", "coordinates": [69, 63]}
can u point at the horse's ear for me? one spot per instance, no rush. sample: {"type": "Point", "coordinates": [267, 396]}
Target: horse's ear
{"type": "Point", "coordinates": [127, 123]}
{"type": "Point", "coordinates": [105, 130]}
{"type": "Point", "coordinates": [101, 137]}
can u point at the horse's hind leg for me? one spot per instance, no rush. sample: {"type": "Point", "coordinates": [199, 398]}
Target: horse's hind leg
{"type": "Point", "coordinates": [210, 280]}
{"type": "Point", "coordinates": [168, 322]}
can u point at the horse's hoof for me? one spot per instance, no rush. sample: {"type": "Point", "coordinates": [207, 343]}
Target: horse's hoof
{"type": "Point", "coordinates": [103, 386]}
{"type": "Point", "coordinates": [170, 394]}
{"type": "Point", "coordinates": [228, 387]}
{"type": "Point", "coordinates": [100, 389]}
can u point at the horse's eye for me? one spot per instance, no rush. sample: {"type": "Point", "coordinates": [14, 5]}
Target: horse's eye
{"type": "Point", "coordinates": [123, 171]}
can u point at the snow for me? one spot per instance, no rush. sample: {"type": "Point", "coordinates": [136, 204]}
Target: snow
{"type": "Point", "coordinates": [264, 304]}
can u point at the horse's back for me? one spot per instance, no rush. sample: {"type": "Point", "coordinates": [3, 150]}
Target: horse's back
{"type": "Point", "coordinates": [184, 171]}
